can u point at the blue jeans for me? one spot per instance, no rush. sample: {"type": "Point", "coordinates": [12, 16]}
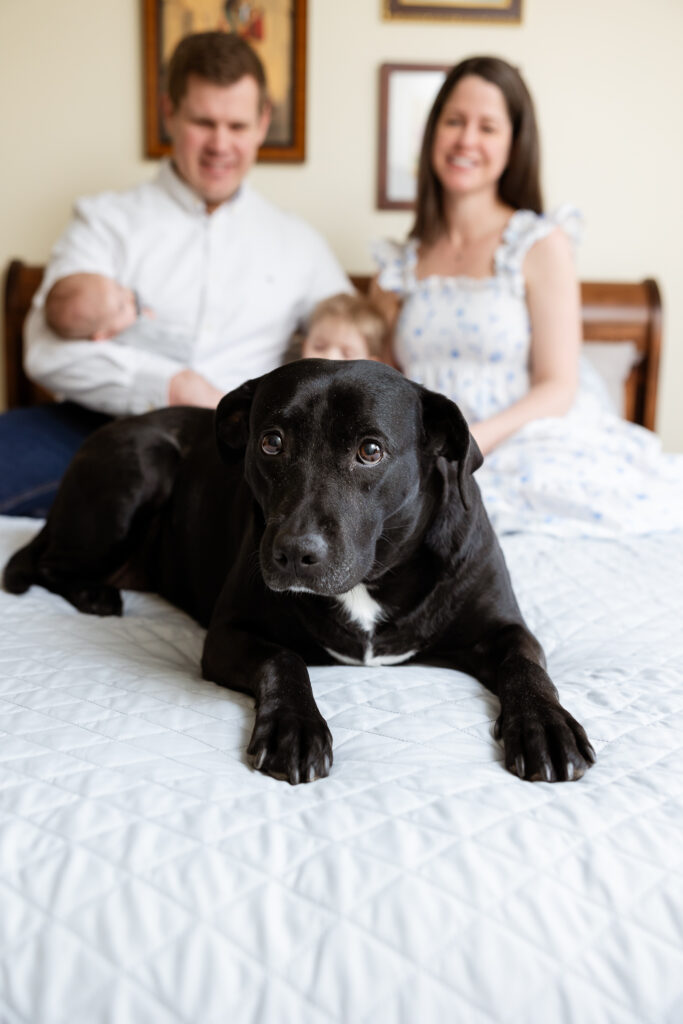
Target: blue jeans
{"type": "Point", "coordinates": [36, 446]}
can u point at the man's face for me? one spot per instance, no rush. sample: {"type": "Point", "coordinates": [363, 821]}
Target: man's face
{"type": "Point", "coordinates": [216, 131]}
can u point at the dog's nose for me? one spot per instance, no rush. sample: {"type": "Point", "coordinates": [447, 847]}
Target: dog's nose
{"type": "Point", "coordinates": [300, 554]}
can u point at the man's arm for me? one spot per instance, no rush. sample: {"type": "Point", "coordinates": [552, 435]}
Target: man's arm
{"type": "Point", "coordinates": [104, 375]}
{"type": "Point", "coordinates": [111, 377]}
{"type": "Point", "coordinates": [143, 369]}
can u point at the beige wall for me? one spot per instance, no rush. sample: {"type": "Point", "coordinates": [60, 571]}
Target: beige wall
{"type": "Point", "coordinates": [606, 74]}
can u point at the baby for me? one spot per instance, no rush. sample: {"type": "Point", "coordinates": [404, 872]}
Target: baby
{"type": "Point", "coordinates": [91, 306]}
{"type": "Point", "coordinates": [97, 307]}
{"type": "Point", "coordinates": [344, 327]}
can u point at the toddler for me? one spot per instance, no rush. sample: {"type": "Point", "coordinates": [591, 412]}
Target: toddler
{"type": "Point", "coordinates": [344, 327]}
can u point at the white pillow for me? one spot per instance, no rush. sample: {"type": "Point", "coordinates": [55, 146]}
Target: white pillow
{"type": "Point", "coordinates": [613, 361]}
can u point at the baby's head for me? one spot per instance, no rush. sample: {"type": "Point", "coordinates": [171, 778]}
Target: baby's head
{"type": "Point", "coordinates": [90, 306]}
{"type": "Point", "coordinates": [344, 327]}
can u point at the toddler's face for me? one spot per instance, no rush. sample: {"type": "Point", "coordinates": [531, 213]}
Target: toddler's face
{"type": "Point", "coordinates": [334, 338]}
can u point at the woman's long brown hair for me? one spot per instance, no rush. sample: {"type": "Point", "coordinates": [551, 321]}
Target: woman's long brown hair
{"type": "Point", "coordinates": [519, 185]}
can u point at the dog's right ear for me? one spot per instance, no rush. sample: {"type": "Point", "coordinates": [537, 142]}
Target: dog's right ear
{"type": "Point", "coordinates": [448, 435]}
{"type": "Point", "coordinates": [232, 421]}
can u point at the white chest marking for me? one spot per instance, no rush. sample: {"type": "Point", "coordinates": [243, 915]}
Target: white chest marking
{"type": "Point", "coordinates": [371, 659]}
{"type": "Point", "coordinates": [361, 607]}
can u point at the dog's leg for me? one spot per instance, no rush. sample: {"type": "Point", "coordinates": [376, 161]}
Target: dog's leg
{"type": "Point", "coordinates": [53, 563]}
{"type": "Point", "coordinates": [541, 740]}
{"type": "Point", "coordinates": [290, 737]}
{"type": "Point", "coordinates": [22, 569]}
{"type": "Point", "coordinates": [103, 506]}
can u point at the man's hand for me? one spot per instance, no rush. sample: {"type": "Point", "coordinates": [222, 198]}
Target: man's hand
{"type": "Point", "coordinates": [188, 387]}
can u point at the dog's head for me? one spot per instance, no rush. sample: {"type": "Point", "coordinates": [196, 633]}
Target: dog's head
{"type": "Point", "coordinates": [338, 456]}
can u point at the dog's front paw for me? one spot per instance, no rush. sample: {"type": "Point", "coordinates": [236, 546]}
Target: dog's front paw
{"type": "Point", "coordinates": [544, 743]}
{"type": "Point", "coordinates": [289, 744]}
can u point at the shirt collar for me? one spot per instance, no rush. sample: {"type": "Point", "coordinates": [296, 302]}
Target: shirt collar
{"type": "Point", "coordinates": [174, 185]}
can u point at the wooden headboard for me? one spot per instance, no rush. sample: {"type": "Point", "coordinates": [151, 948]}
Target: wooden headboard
{"type": "Point", "coordinates": [619, 311]}
{"type": "Point", "coordinates": [20, 286]}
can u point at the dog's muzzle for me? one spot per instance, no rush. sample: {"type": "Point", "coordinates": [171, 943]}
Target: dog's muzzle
{"type": "Point", "coordinates": [303, 561]}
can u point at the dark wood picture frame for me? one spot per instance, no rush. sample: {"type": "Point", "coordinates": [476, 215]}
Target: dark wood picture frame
{"type": "Point", "coordinates": [488, 10]}
{"type": "Point", "coordinates": [391, 120]}
{"type": "Point", "coordinates": [292, 149]}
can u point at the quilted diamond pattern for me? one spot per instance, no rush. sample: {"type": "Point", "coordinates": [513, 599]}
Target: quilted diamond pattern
{"type": "Point", "coordinates": [148, 875]}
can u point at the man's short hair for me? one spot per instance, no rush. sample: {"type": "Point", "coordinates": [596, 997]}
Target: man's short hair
{"type": "Point", "coordinates": [360, 312]}
{"type": "Point", "coordinates": [221, 58]}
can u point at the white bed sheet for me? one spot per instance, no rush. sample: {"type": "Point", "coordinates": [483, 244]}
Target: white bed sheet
{"type": "Point", "coordinates": [148, 875]}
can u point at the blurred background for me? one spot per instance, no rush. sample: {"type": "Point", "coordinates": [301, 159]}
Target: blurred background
{"type": "Point", "coordinates": [606, 76]}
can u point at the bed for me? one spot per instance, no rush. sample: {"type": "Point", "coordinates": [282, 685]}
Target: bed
{"type": "Point", "coordinates": [148, 875]}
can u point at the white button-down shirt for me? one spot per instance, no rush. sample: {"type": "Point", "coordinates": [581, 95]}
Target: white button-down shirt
{"type": "Point", "coordinates": [228, 289]}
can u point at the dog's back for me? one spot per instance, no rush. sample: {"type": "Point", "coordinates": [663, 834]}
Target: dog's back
{"type": "Point", "coordinates": [116, 522]}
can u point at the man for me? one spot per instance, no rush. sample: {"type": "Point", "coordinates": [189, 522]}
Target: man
{"type": "Point", "coordinates": [210, 278]}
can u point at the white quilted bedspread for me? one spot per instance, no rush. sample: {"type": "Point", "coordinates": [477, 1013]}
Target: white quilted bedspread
{"type": "Point", "coordinates": [149, 876]}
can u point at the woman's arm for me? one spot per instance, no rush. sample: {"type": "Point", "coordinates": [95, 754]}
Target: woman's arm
{"type": "Point", "coordinates": [553, 300]}
{"type": "Point", "coordinates": [389, 305]}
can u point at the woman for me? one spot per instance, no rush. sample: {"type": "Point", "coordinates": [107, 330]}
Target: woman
{"type": "Point", "coordinates": [484, 299]}
{"type": "Point", "coordinates": [484, 304]}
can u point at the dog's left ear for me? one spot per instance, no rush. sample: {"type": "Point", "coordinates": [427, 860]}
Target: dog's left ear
{"type": "Point", "coordinates": [447, 435]}
{"type": "Point", "coordinates": [232, 421]}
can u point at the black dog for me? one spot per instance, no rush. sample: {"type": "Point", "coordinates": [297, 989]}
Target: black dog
{"type": "Point", "coordinates": [343, 523]}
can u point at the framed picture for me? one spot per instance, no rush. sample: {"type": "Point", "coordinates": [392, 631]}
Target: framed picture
{"type": "Point", "coordinates": [277, 31]}
{"type": "Point", "coordinates": [468, 10]}
{"type": "Point", "coordinates": [406, 94]}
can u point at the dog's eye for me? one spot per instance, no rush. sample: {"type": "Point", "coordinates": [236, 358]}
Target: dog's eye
{"type": "Point", "coordinates": [271, 444]}
{"type": "Point", "coordinates": [370, 452]}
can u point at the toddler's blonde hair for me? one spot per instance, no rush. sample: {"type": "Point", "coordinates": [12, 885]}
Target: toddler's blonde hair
{"type": "Point", "coordinates": [358, 311]}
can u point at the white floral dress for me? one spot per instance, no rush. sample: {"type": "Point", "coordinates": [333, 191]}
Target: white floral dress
{"type": "Point", "coordinates": [589, 472]}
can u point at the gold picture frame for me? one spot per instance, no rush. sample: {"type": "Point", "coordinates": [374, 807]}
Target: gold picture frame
{"type": "Point", "coordinates": [277, 31]}
{"type": "Point", "coordinates": [469, 10]}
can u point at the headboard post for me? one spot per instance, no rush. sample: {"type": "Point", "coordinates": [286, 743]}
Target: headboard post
{"type": "Point", "coordinates": [617, 311]}
{"type": "Point", "coordinates": [654, 344]}
{"type": "Point", "coordinates": [21, 284]}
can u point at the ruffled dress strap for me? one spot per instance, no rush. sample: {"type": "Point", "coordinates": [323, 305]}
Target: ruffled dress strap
{"type": "Point", "coordinates": [396, 262]}
{"type": "Point", "coordinates": [524, 229]}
